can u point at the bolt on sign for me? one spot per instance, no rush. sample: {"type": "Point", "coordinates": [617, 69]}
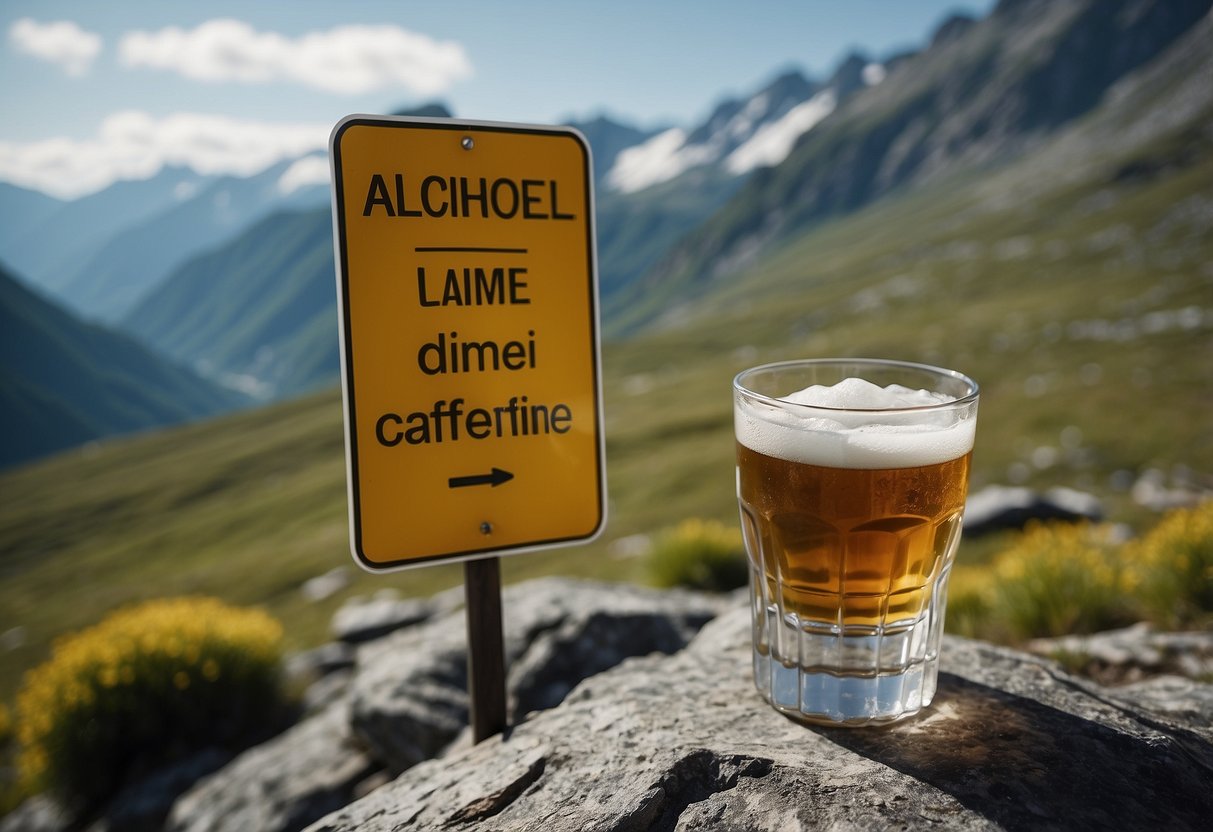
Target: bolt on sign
{"type": "Point", "coordinates": [467, 288]}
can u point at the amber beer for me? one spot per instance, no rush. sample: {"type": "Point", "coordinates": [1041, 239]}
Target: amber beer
{"type": "Point", "coordinates": [851, 495]}
{"type": "Point", "coordinates": [856, 546]}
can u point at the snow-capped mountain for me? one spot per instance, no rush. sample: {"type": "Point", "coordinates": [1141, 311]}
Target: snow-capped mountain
{"type": "Point", "coordinates": [742, 134]}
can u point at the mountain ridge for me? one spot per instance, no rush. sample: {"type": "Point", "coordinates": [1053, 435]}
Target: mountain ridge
{"type": "Point", "coordinates": [965, 102]}
{"type": "Point", "coordinates": [67, 381]}
{"type": "Point", "coordinates": [191, 314]}
{"type": "Point", "coordinates": [46, 253]}
{"type": "Point", "coordinates": [135, 261]}
{"type": "Point", "coordinates": [256, 311]}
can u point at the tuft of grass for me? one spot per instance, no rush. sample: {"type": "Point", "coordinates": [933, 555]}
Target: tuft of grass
{"type": "Point", "coordinates": [700, 554]}
{"type": "Point", "coordinates": [970, 601]}
{"type": "Point", "coordinates": [1173, 566]}
{"type": "Point", "coordinates": [1055, 579]}
{"type": "Point", "coordinates": [1060, 578]}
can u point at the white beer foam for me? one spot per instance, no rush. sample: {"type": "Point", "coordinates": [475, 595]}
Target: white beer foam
{"type": "Point", "coordinates": [876, 432]}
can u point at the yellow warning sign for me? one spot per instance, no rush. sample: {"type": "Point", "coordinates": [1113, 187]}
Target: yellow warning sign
{"type": "Point", "coordinates": [470, 350]}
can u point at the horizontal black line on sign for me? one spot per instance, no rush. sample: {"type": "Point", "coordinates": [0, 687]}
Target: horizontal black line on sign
{"type": "Point", "coordinates": [488, 249]}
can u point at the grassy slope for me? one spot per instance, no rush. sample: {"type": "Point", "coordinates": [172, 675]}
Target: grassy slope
{"type": "Point", "coordinates": [68, 380]}
{"type": "Point", "coordinates": [1011, 291]}
{"type": "Point", "coordinates": [221, 308]}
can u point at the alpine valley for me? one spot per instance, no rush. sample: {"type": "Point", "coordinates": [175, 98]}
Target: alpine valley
{"type": "Point", "coordinates": [1027, 198]}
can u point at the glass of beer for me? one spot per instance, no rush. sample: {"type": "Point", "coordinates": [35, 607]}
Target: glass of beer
{"type": "Point", "coordinates": [851, 480]}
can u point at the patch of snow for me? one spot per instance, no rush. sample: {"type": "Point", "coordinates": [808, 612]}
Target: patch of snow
{"type": "Point", "coordinates": [184, 189]}
{"type": "Point", "coordinates": [873, 74]}
{"type": "Point", "coordinates": [657, 160]}
{"type": "Point", "coordinates": [772, 143]}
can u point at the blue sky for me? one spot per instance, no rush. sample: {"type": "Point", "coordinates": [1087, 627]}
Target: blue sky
{"type": "Point", "coordinates": [98, 90]}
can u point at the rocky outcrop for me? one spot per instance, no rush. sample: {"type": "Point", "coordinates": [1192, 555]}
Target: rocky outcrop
{"type": "Point", "coordinates": [633, 709]}
{"type": "Point", "coordinates": [684, 742]}
{"type": "Point", "coordinates": [409, 693]}
{"type": "Point", "coordinates": [1131, 654]}
{"type": "Point", "coordinates": [1000, 507]}
{"type": "Point", "coordinates": [285, 783]}
{"type": "Point", "coordinates": [404, 700]}
{"type": "Point", "coordinates": [366, 619]}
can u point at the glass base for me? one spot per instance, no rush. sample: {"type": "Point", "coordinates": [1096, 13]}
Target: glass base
{"type": "Point", "coordinates": [826, 697]}
{"type": "Point", "coordinates": [826, 674]}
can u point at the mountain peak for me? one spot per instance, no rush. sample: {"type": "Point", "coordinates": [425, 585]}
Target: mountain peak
{"type": "Point", "coordinates": [977, 96]}
{"type": "Point", "coordinates": [434, 109]}
{"type": "Point", "coordinates": [854, 72]}
{"type": "Point", "coordinates": [952, 29]}
{"type": "Point", "coordinates": [740, 134]}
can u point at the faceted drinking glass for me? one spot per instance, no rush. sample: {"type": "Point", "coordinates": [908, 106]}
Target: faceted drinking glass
{"type": "Point", "coordinates": [851, 513]}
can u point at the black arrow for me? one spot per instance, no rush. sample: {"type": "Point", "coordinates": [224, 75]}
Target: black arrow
{"type": "Point", "coordinates": [494, 479]}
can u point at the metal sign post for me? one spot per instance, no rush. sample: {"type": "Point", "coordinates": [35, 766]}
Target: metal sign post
{"type": "Point", "coordinates": [467, 289]}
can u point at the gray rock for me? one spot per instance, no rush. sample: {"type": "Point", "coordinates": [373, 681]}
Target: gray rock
{"type": "Point", "coordinates": [409, 694]}
{"type": "Point", "coordinates": [13, 638]}
{"type": "Point", "coordinates": [310, 665]}
{"type": "Point", "coordinates": [140, 807]}
{"type": "Point", "coordinates": [38, 814]}
{"type": "Point", "coordinates": [366, 619]}
{"type": "Point", "coordinates": [324, 673]}
{"type": "Point", "coordinates": [684, 742]}
{"type": "Point", "coordinates": [143, 806]}
{"type": "Point", "coordinates": [999, 507]}
{"type": "Point", "coordinates": [566, 631]}
{"type": "Point", "coordinates": [1151, 490]}
{"type": "Point", "coordinates": [1173, 698]}
{"type": "Point", "coordinates": [282, 784]}
{"type": "Point", "coordinates": [326, 585]}
{"type": "Point", "coordinates": [327, 690]}
{"type": "Point", "coordinates": [1133, 653]}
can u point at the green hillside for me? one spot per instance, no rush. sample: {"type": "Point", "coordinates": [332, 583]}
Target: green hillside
{"type": "Point", "coordinates": [67, 381]}
{"type": "Point", "coordinates": [243, 308]}
{"type": "Point", "coordinates": [1081, 303]}
{"type": "Point", "coordinates": [636, 230]}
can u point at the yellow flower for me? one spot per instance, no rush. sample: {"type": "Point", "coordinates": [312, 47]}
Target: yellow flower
{"type": "Point", "coordinates": [136, 665]}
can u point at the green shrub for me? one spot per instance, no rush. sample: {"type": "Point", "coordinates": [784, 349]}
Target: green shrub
{"type": "Point", "coordinates": [149, 684]}
{"type": "Point", "coordinates": [1062, 578]}
{"type": "Point", "coordinates": [700, 554]}
{"type": "Point", "coordinates": [970, 602]}
{"type": "Point", "coordinates": [1173, 565]}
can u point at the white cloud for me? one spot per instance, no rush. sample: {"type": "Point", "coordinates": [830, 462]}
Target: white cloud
{"type": "Point", "coordinates": [345, 59]}
{"type": "Point", "coordinates": [135, 145]}
{"type": "Point", "coordinates": [62, 42]}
